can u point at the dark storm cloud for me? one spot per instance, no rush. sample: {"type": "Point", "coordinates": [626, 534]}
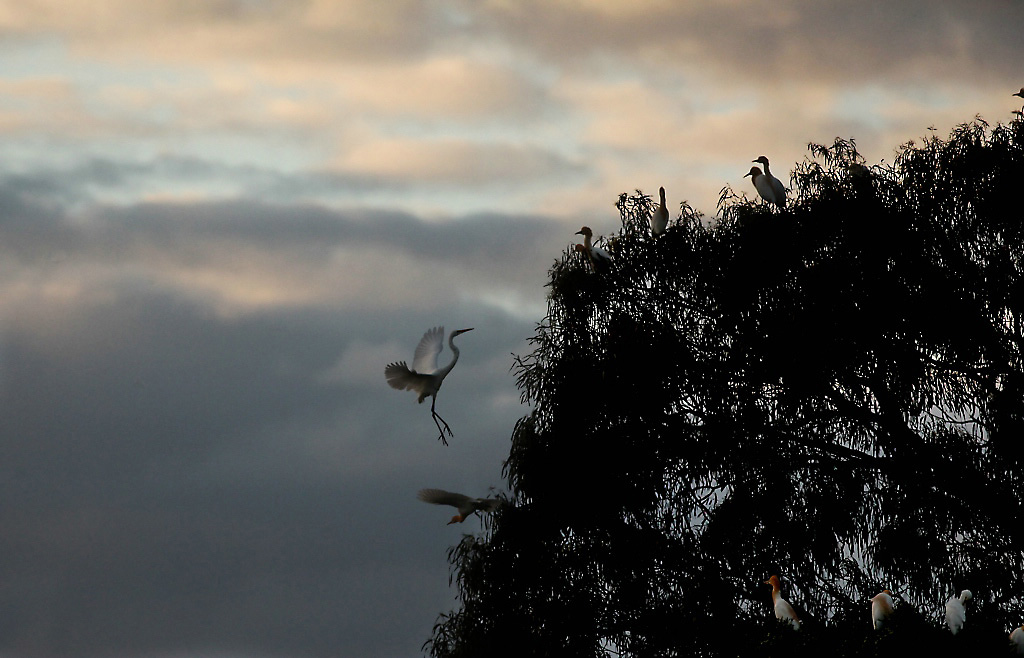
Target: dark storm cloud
{"type": "Point", "coordinates": [770, 44]}
{"type": "Point", "coordinates": [178, 480]}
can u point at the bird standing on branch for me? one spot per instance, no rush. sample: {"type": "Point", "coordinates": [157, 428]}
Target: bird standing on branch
{"type": "Point", "coordinates": [461, 502]}
{"type": "Point", "coordinates": [783, 610]}
{"type": "Point", "coordinates": [881, 608]}
{"type": "Point", "coordinates": [659, 220]}
{"type": "Point", "coordinates": [777, 193]}
{"type": "Point", "coordinates": [425, 377]}
{"type": "Point", "coordinates": [956, 613]}
{"type": "Point", "coordinates": [599, 259]}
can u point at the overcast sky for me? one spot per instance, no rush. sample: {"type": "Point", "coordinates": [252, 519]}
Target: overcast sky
{"type": "Point", "coordinates": [220, 219]}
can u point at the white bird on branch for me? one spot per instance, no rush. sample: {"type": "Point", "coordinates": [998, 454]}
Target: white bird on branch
{"type": "Point", "coordinates": [659, 220]}
{"type": "Point", "coordinates": [599, 258]}
{"type": "Point", "coordinates": [425, 377]}
{"type": "Point", "coordinates": [778, 190]}
{"type": "Point", "coordinates": [956, 614]}
{"type": "Point", "coordinates": [783, 610]}
{"type": "Point", "coordinates": [461, 502]}
{"type": "Point", "coordinates": [881, 608]}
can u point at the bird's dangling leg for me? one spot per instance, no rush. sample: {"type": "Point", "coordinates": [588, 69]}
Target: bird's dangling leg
{"type": "Point", "coordinates": [437, 418]}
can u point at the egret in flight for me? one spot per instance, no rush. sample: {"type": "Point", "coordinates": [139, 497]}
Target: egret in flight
{"type": "Point", "coordinates": [599, 258]}
{"type": "Point", "coordinates": [881, 608]}
{"type": "Point", "coordinates": [659, 220]}
{"type": "Point", "coordinates": [463, 503]}
{"type": "Point", "coordinates": [956, 614]}
{"type": "Point", "coordinates": [425, 377]}
{"type": "Point", "coordinates": [783, 610]}
{"type": "Point", "coordinates": [776, 186]}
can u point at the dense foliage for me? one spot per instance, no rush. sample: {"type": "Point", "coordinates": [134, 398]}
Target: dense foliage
{"type": "Point", "coordinates": [832, 393]}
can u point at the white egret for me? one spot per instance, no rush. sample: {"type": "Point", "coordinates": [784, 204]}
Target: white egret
{"type": "Point", "coordinates": [783, 610]}
{"type": "Point", "coordinates": [956, 614]}
{"type": "Point", "coordinates": [461, 502]}
{"type": "Point", "coordinates": [659, 220]}
{"type": "Point", "coordinates": [761, 184]}
{"type": "Point", "coordinates": [425, 377]}
{"type": "Point", "coordinates": [778, 189]}
{"type": "Point", "coordinates": [881, 608]}
{"type": "Point", "coordinates": [600, 259]}
{"type": "Point", "coordinates": [1017, 636]}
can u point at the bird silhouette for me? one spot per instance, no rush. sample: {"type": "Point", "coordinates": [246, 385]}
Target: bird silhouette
{"type": "Point", "coordinates": [778, 190]}
{"type": "Point", "coordinates": [463, 503]}
{"type": "Point", "coordinates": [425, 377]}
{"type": "Point", "coordinates": [1020, 93]}
{"type": "Point", "coordinates": [659, 220]}
{"type": "Point", "coordinates": [600, 260]}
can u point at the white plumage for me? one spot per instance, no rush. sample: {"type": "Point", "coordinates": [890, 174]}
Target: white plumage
{"type": "Point", "coordinates": [425, 378]}
{"type": "Point", "coordinates": [659, 220]}
{"type": "Point", "coordinates": [881, 608]}
{"type": "Point", "coordinates": [783, 610]}
{"type": "Point", "coordinates": [956, 613]}
{"type": "Point", "coordinates": [599, 259]}
{"type": "Point", "coordinates": [463, 503]}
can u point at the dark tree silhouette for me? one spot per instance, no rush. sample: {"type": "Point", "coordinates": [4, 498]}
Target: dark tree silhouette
{"type": "Point", "coordinates": [831, 393]}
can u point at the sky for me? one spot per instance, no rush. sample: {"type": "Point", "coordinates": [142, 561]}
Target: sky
{"type": "Point", "coordinates": [220, 220]}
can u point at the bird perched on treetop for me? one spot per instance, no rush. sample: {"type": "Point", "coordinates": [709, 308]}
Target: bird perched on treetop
{"type": "Point", "coordinates": [778, 190]}
{"type": "Point", "coordinates": [461, 502]}
{"type": "Point", "coordinates": [599, 259]}
{"type": "Point", "coordinates": [881, 608]}
{"type": "Point", "coordinates": [1017, 636]}
{"type": "Point", "coordinates": [659, 220]}
{"type": "Point", "coordinates": [425, 377]}
{"type": "Point", "coordinates": [956, 613]}
{"type": "Point", "coordinates": [783, 610]}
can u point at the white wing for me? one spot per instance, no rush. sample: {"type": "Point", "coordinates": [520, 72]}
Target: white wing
{"type": "Point", "coordinates": [401, 378]}
{"type": "Point", "coordinates": [442, 497]}
{"type": "Point", "coordinates": [425, 359]}
{"type": "Point", "coordinates": [779, 190]}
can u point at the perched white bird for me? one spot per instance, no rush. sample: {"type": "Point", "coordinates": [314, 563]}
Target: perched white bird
{"type": "Point", "coordinates": [783, 610]}
{"type": "Point", "coordinates": [461, 502]}
{"type": "Point", "coordinates": [425, 377]}
{"type": "Point", "coordinates": [778, 189]}
{"type": "Point", "coordinates": [956, 614]}
{"type": "Point", "coordinates": [881, 608]}
{"type": "Point", "coordinates": [761, 184]}
{"type": "Point", "coordinates": [659, 220]}
{"type": "Point", "coordinates": [599, 259]}
{"type": "Point", "coordinates": [1017, 636]}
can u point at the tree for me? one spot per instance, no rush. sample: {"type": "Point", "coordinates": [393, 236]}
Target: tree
{"type": "Point", "coordinates": [831, 393]}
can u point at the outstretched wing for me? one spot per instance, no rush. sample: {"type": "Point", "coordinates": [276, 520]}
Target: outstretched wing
{"type": "Point", "coordinates": [486, 504]}
{"type": "Point", "coordinates": [425, 359]}
{"type": "Point", "coordinates": [400, 377]}
{"type": "Point", "coordinates": [442, 497]}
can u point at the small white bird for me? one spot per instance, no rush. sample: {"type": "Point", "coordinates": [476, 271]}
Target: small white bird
{"type": "Point", "coordinates": [461, 502]}
{"type": "Point", "coordinates": [783, 610]}
{"type": "Point", "coordinates": [425, 377]}
{"type": "Point", "coordinates": [600, 260]}
{"type": "Point", "coordinates": [761, 184]}
{"type": "Point", "coordinates": [659, 220]}
{"type": "Point", "coordinates": [881, 608]}
{"type": "Point", "coordinates": [1017, 636]}
{"type": "Point", "coordinates": [777, 188]}
{"type": "Point", "coordinates": [956, 614]}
